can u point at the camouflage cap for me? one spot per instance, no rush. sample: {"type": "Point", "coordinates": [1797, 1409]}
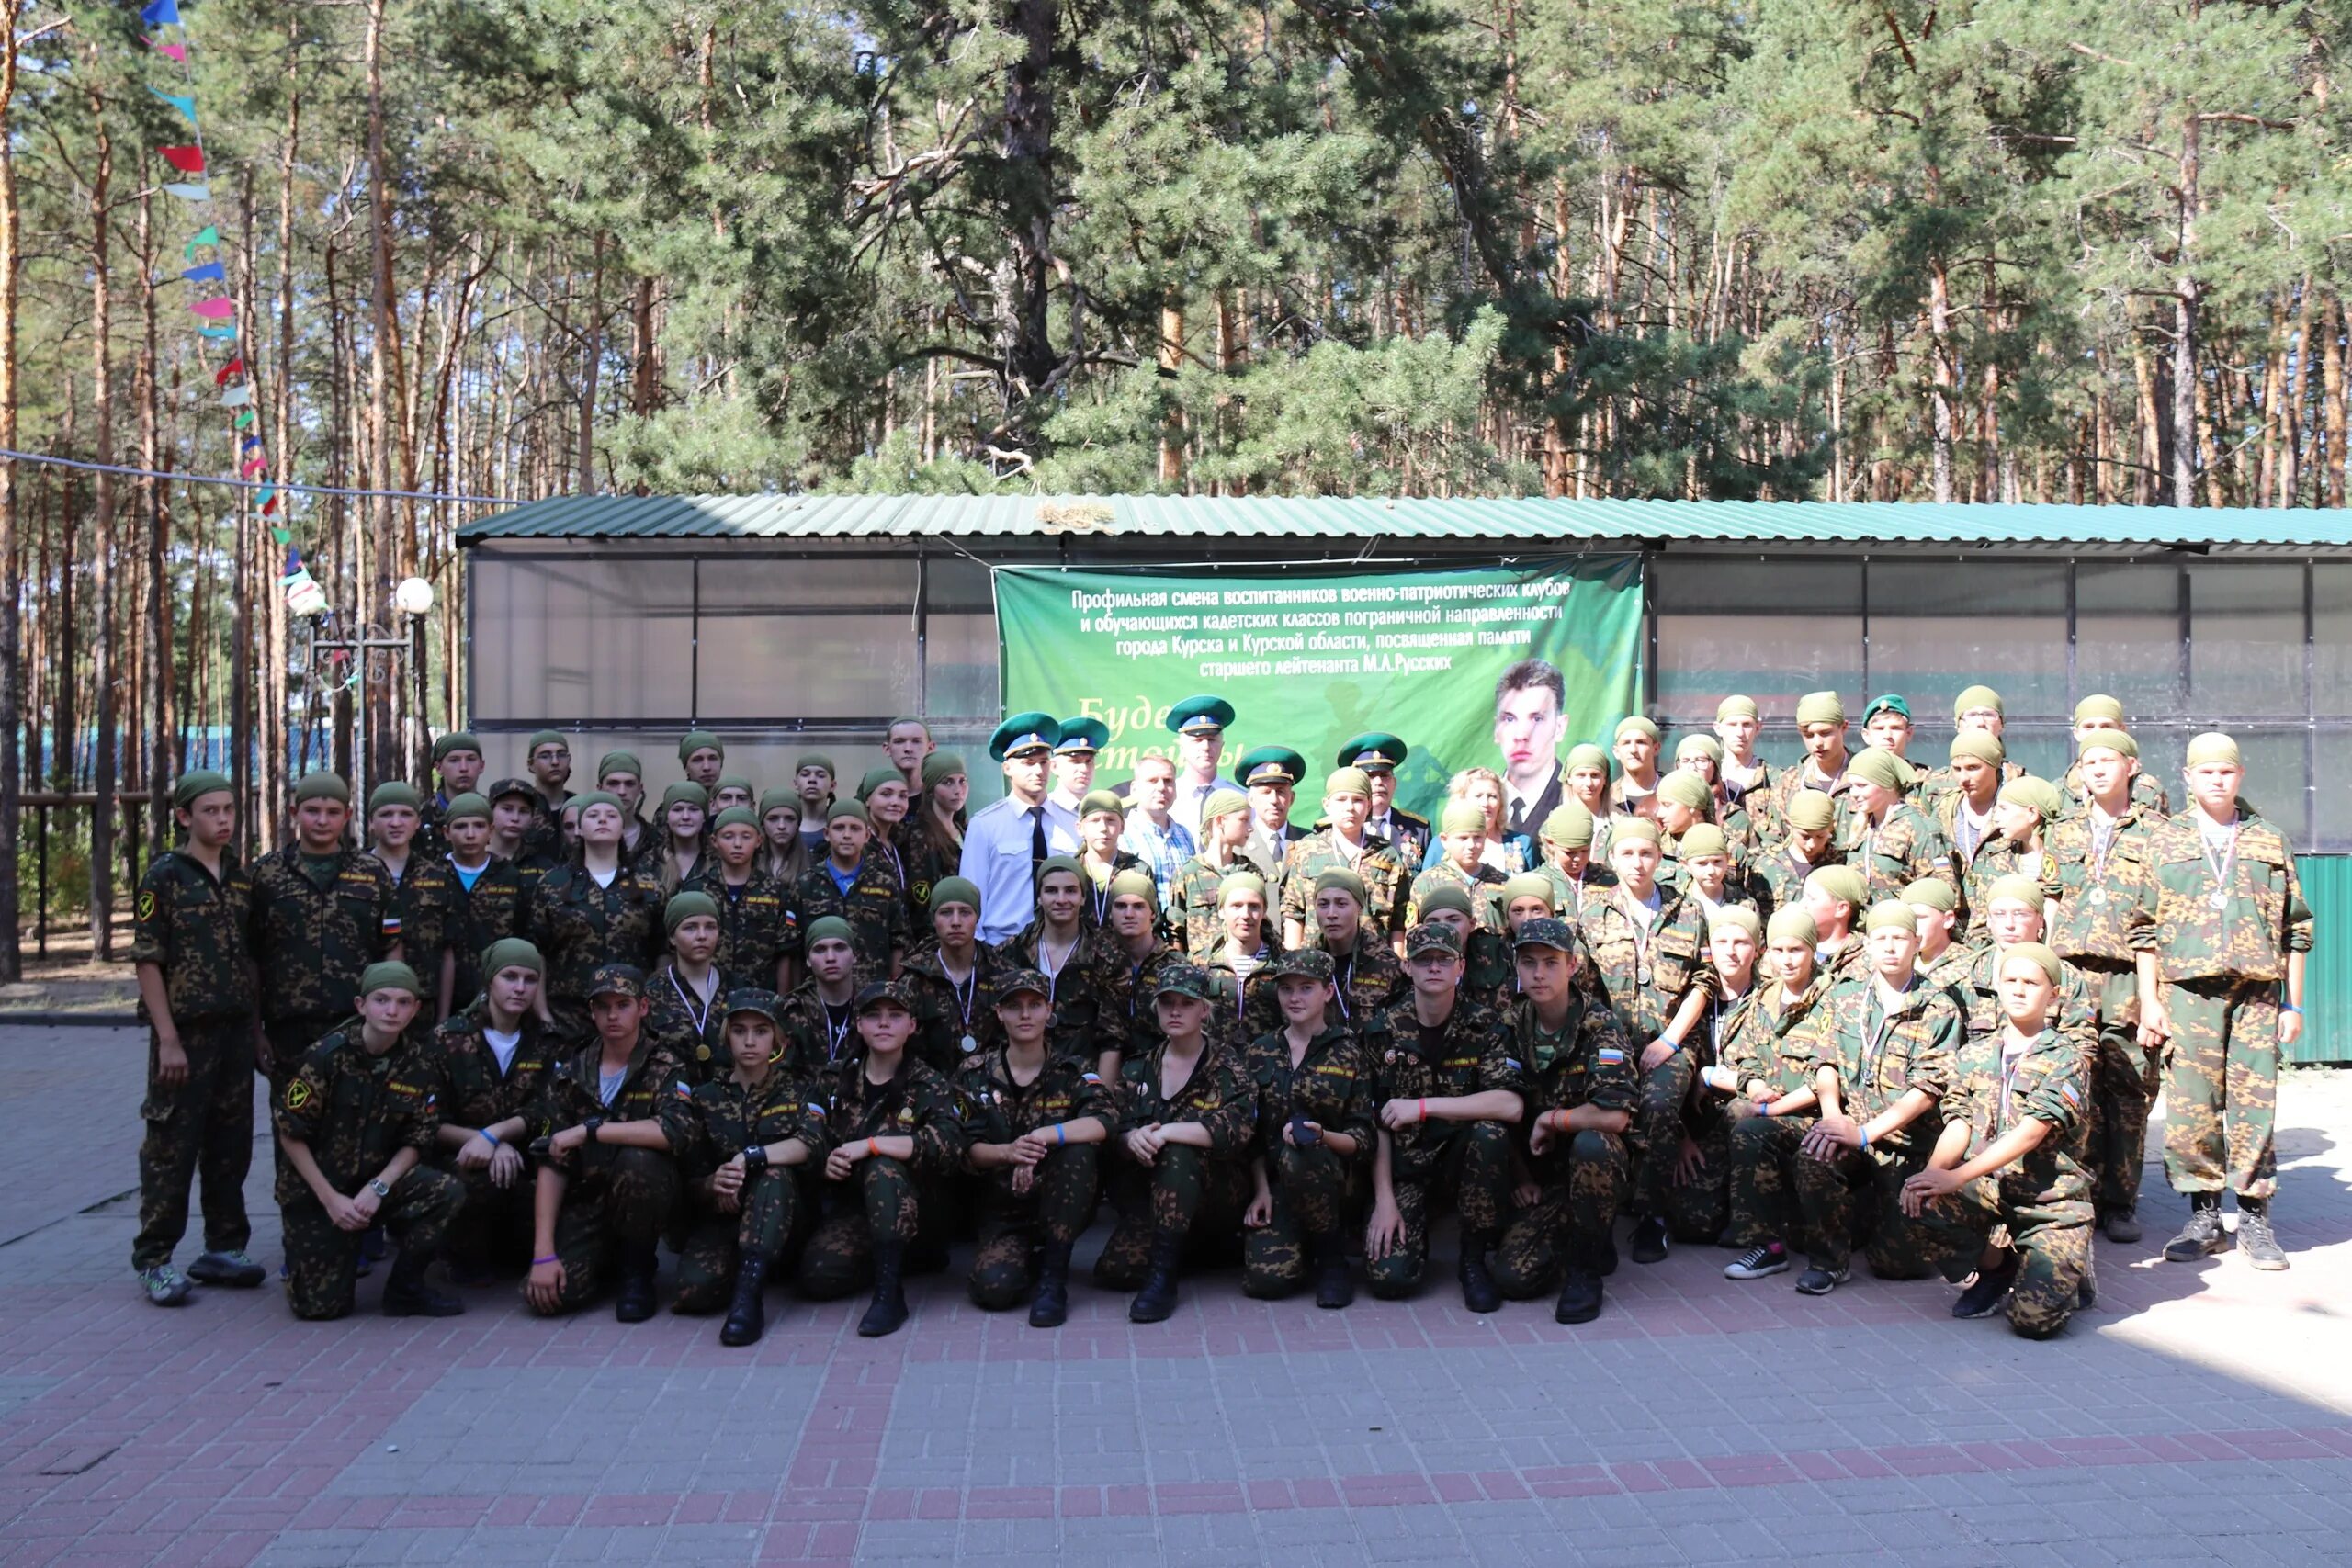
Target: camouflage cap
{"type": "Point", "coordinates": [1185, 980]}
{"type": "Point", "coordinates": [1430, 937]}
{"type": "Point", "coordinates": [941, 766]}
{"type": "Point", "coordinates": [1544, 931]}
{"type": "Point", "coordinates": [1810, 811]}
{"type": "Point", "coordinates": [1981, 744]}
{"type": "Point", "coordinates": [1931, 893]}
{"type": "Point", "coordinates": [2036, 795]}
{"type": "Point", "coordinates": [1793, 924]}
{"type": "Point", "coordinates": [1737, 917]}
{"type": "Point", "coordinates": [750, 999]}
{"type": "Point", "coordinates": [1019, 980]}
{"type": "Point", "coordinates": [1446, 896]}
{"type": "Point", "coordinates": [1529, 885]}
{"type": "Point", "coordinates": [394, 792]}
{"type": "Point", "coordinates": [1703, 839]}
{"type": "Point", "coordinates": [617, 980]}
{"type": "Point", "coordinates": [500, 789]}
{"type": "Point", "coordinates": [513, 953]}
{"type": "Point", "coordinates": [886, 993]}
{"type": "Point", "coordinates": [1305, 964]}
{"type": "Point", "coordinates": [2014, 890]}
{"type": "Point", "coordinates": [685, 792]}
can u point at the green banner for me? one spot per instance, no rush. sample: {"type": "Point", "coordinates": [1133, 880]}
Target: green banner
{"type": "Point", "coordinates": [1310, 658]}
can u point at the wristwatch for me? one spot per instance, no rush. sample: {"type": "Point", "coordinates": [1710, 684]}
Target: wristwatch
{"type": "Point", "coordinates": [380, 1189]}
{"type": "Point", "coordinates": [591, 1125]}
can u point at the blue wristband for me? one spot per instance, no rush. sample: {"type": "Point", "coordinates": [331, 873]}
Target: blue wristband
{"type": "Point", "coordinates": [486, 1132]}
{"type": "Point", "coordinates": [1865, 1133]}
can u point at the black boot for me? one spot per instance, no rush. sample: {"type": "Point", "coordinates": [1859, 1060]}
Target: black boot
{"type": "Point", "coordinates": [1049, 1308]}
{"type": "Point", "coordinates": [1580, 1292]}
{"type": "Point", "coordinates": [2255, 1239]}
{"type": "Point", "coordinates": [407, 1295]}
{"type": "Point", "coordinates": [635, 1304]}
{"type": "Point", "coordinates": [1478, 1292]}
{"type": "Point", "coordinates": [748, 1318]}
{"type": "Point", "coordinates": [888, 1312]}
{"type": "Point", "coordinates": [1333, 1287]}
{"type": "Point", "coordinates": [2202, 1235]}
{"type": "Point", "coordinates": [1157, 1298]}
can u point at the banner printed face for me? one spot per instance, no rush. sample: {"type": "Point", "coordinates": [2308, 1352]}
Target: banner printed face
{"type": "Point", "coordinates": [1311, 659]}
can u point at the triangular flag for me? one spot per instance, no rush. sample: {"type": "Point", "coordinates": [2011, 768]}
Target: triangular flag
{"type": "Point", "coordinates": [208, 235]}
{"type": "Point", "coordinates": [219, 307]}
{"type": "Point", "coordinates": [187, 192]}
{"type": "Point", "coordinates": [268, 494]}
{"type": "Point", "coordinates": [187, 159]}
{"type": "Point", "coordinates": [229, 333]}
{"type": "Point", "coordinates": [251, 465]}
{"type": "Point", "coordinates": [187, 105]}
{"type": "Point", "coordinates": [161, 13]}
{"type": "Point", "coordinates": [173, 50]}
{"type": "Point", "coordinates": [210, 272]}
{"type": "Point", "coordinates": [281, 535]}
{"type": "Point", "coordinates": [249, 442]}
{"type": "Point", "coordinates": [245, 419]}
{"type": "Point", "coordinates": [234, 368]}
{"type": "Point", "coordinates": [238, 396]}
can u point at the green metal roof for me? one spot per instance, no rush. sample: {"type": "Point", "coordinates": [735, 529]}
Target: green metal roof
{"type": "Point", "coordinates": [608, 517]}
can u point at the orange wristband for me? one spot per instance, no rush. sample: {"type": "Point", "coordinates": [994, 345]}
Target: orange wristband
{"type": "Point", "coordinates": [1425, 1111]}
{"type": "Point", "coordinates": [872, 1148]}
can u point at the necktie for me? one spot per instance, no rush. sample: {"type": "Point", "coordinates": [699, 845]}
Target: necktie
{"type": "Point", "coordinates": [1039, 849]}
{"type": "Point", "coordinates": [1519, 816]}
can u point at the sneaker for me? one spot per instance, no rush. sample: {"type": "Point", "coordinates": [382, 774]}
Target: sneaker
{"type": "Point", "coordinates": [164, 1285]}
{"type": "Point", "coordinates": [2200, 1237]}
{"type": "Point", "coordinates": [2258, 1242]}
{"type": "Point", "coordinates": [1820, 1281]}
{"type": "Point", "coordinates": [1987, 1291]}
{"type": "Point", "coordinates": [1649, 1240]}
{"type": "Point", "coordinates": [2122, 1226]}
{"type": "Point", "coordinates": [233, 1269]}
{"type": "Point", "coordinates": [1758, 1262]}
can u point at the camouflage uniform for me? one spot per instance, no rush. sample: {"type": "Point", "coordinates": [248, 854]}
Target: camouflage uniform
{"type": "Point", "coordinates": [882, 1199]}
{"type": "Point", "coordinates": [1369, 978]}
{"type": "Point", "coordinates": [1331, 1086]}
{"type": "Point", "coordinates": [1428, 1161]}
{"type": "Point", "coordinates": [1780, 877]}
{"type": "Point", "coordinates": [425, 906]}
{"type": "Point", "coordinates": [1939, 784]}
{"type": "Point", "coordinates": [191, 926]}
{"type": "Point", "coordinates": [2075, 1011]}
{"type": "Point", "coordinates": [928, 860]}
{"type": "Point", "coordinates": [579, 928]}
{"type": "Point", "coordinates": [948, 1015]}
{"type": "Point", "coordinates": [1245, 1009]}
{"type": "Point", "coordinates": [314, 928]}
{"type": "Point", "coordinates": [2098, 878]}
{"type": "Point", "coordinates": [356, 1112]}
{"type": "Point", "coordinates": [1188, 1194]}
{"type": "Point", "coordinates": [874, 905]}
{"type": "Point", "coordinates": [618, 1201]}
{"type": "Point", "coordinates": [1191, 902]}
{"type": "Point", "coordinates": [2045, 1199]}
{"type": "Point", "coordinates": [711, 1125]}
{"type": "Point", "coordinates": [1997, 857]}
{"type": "Point", "coordinates": [1095, 908]}
{"type": "Point", "coordinates": [1139, 997]}
{"type": "Point", "coordinates": [1878, 1057]}
{"type": "Point", "coordinates": [2149, 798]}
{"type": "Point", "coordinates": [1582, 1174]}
{"type": "Point", "coordinates": [1482, 884]}
{"type": "Point", "coordinates": [1762, 1039]}
{"type": "Point", "coordinates": [689, 1032]}
{"type": "Point", "coordinates": [2221, 970]}
{"type": "Point", "coordinates": [1801, 776]}
{"type": "Point", "coordinates": [1646, 975]}
{"type": "Point", "coordinates": [1087, 1015]}
{"type": "Point", "coordinates": [494, 909]}
{"type": "Point", "coordinates": [756, 924]}
{"type": "Point", "coordinates": [1059, 1202]}
{"type": "Point", "coordinates": [1384, 876]}
{"type": "Point", "coordinates": [818, 1034]}
{"type": "Point", "coordinates": [1904, 848]}
{"type": "Point", "coordinates": [494, 1227]}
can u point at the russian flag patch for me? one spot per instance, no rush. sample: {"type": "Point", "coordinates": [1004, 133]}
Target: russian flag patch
{"type": "Point", "coordinates": [1611, 1056]}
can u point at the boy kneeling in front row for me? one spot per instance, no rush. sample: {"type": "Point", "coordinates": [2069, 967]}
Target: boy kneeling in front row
{"type": "Point", "coordinates": [355, 1117]}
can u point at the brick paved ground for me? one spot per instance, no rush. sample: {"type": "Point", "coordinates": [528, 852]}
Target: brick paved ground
{"type": "Point", "coordinates": [2199, 1415]}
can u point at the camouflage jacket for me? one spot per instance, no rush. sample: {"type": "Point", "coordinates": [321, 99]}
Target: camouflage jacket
{"type": "Point", "coordinates": [874, 905]}
{"type": "Point", "coordinates": [494, 909]}
{"type": "Point", "coordinates": [1904, 849]}
{"type": "Point", "coordinates": [1245, 1009]}
{"type": "Point", "coordinates": [948, 1013]}
{"type": "Point", "coordinates": [2049, 1082]}
{"type": "Point", "coordinates": [1760, 1038]}
{"type": "Point", "coordinates": [915, 1103]}
{"type": "Point", "coordinates": [1217, 1095]}
{"type": "Point", "coordinates": [1996, 858]}
{"type": "Point", "coordinates": [1330, 1086]}
{"type": "Point", "coordinates": [1482, 886]}
{"type": "Point", "coordinates": [1385, 881]}
{"type": "Point", "coordinates": [712, 1122]}
{"type": "Point", "coordinates": [1589, 1062]}
{"type": "Point", "coordinates": [692, 1032]}
{"type": "Point", "coordinates": [1880, 1056]}
{"type": "Point", "coordinates": [2149, 797]}
{"type": "Point", "coordinates": [312, 937]}
{"type": "Point", "coordinates": [1369, 976]}
{"type": "Point", "coordinates": [192, 926]}
{"type": "Point", "coordinates": [2098, 886]}
{"type": "Point", "coordinates": [1139, 995]}
{"type": "Point", "coordinates": [1782, 875]}
{"type": "Point", "coordinates": [817, 1035]}
{"type": "Point", "coordinates": [1784, 790]}
{"type": "Point", "coordinates": [1646, 973]}
{"type": "Point", "coordinates": [2077, 1003]}
{"type": "Point", "coordinates": [1089, 986]}
{"type": "Point", "coordinates": [579, 926]}
{"type": "Point", "coordinates": [2262, 919]}
{"type": "Point", "coordinates": [572, 1090]}
{"type": "Point", "coordinates": [997, 1108]}
{"type": "Point", "coordinates": [474, 1093]}
{"type": "Point", "coordinates": [1473, 1053]}
{"type": "Point", "coordinates": [428, 905]}
{"type": "Point", "coordinates": [756, 923]}
{"type": "Point", "coordinates": [1190, 918]}
{"type": "Point", "coordinates": [354, 1111]}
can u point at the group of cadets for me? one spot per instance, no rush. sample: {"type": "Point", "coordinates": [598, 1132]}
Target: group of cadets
{"type": "Point", "coordinates": [1852, 1003]}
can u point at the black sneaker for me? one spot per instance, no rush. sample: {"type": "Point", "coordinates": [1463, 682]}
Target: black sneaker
{"type": "Point", "coordinates": [2200, 1237]}
{"type": "Point", "coordinates": [1758, 1262]}
{"type": "Point", "coordinates": [2259, 1243]}
{"type": "Point", "coordinates": [233, 1269]}
{"type": "Point", "coordinates": [1819, 1281]}
{"type": "Point", "coordinates": [2122, 1226]}
{"type": "Point", "coordinates": [1649, 1240]}
{"type": "Point", "coordinates": [1990, 1289]}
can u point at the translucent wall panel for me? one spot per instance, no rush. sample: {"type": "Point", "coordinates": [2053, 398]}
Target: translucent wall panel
{"type": "Point", "coordinates": [2246, 640]}
{"type": "Point", "coordinates": [1938, 627]}
{"type": "Point", "coordinates": [2127, 637]}
{"type": "Point", "coordinates": [592, 640]}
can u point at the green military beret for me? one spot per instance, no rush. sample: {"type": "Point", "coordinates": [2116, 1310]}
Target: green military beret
{"type": "Point", "coordinates": [687, 906]}
{"type": "Point", "coordinates": [1888, 703]}
{"type": "Point", "coordinates": [700, 740]}
{"type": "Point", "coordinates": [732, 781]}
{"type": "Point", "coordinates": [955, 890]}
{"type": "Point", "coordinates": [941, 766]}
{"type": "Point", "coordinates": [1976, 697]}
{"type": "Point", "coordinates": [1821, 707]}
{"type": "Point", "coordinates": [455, 740]}
{"type": "Point", "coordinates": [1081, 736]}
{"type": "Point", "coordinates": [1737, 706]}
{"type": "Point", "coordinates": [545, 737]}
{"type": "Point", "coordinates": [1931, 893]}
{"type": "Point", "coordinates": [1128, 883]}
{"type": "Point", "coordinates": [1890, 915]}
{"type": "Point", "coordinates": [2119, 741]}
{"type": "Point", "coordinates": [1877, 765]}
{"type": "Point", "coordinates": [735, 816]}
{"type": "Point", "coordinates": [195, 784]}
{"type": "Point", "coordinates": [390, 975]}
{"type": "Point", "coordinates": [1101, 801]}
{"type": "Point", "coordinates": [1462, 817]}
{"type": "Point", "coordinates": [815, 759]}
{"type": "Point", "coordinates": [2038, 793]}
{"type": "Point", "coordinates": [1272, 765]}
{"type": "Point", "coordinates": [613, 762]}
{"type": "Point", "coordinates": [1223, 802]}
{"type": "Point", "coordinates": [1375, 751]}
{"type": "Point", "coordinates": [875, 778]}
{"type": "Point", "coordinates": [779, 800]}
{"type": "Point", "coordinates": [1446, 896]}
{"type": "Point", "coordinates": [1793, 924]}
{"type": "Point", "coordinates": [752, 999]}
{"type": "Point", "coordinates": [468, 807]}
{"type": "Point", "coordinates": [586, 798]}
{"type": "Point", "coordinates": [1704, 839]}
{"type": "Point", "coordinates": [321, 786]}
{"type": "Point", "coordinates": [1198, 716]}
{"type": "Point", "coordinates": [1237, 882]}
{"type": "Point", "coordinates": [1981, 744]}
{"type": "Point", "coordinates": [1687, 790]}
{"type": "Point", "coordinates": [1304, 964]}
{"type": "Point", "coordinates": [2099, 705]}
{"type": "Point", "coordinates": [1588, 755]}
{"type": "Point", "coordinates": [829, 928]}
{"type": "Point", "coordinates": [2014, 889]}
{"type": "Point", "coordinates": [2037, 953]}
{"type": "Point", "coordinates": [2213, 747]}
{"type": "Point", "coordinates": [1633, 830]}
{"type": "Point", "coordinates": [1347, 781]}
{"type": "Point", "coordinates": [1529, 885]}
{"type": "Point", "coordinates": [1634, 724]}
{"type": "Point", "coordinates": [394, 792]}
{"type": "Point", "coordinates": [1024, 734]}
{"type": "Point", "coordinates": [513, 953]}
{"type": "Point", "coordinates": [685, 792]}
{"type": "Point", "coordinates": [1737, 917]}
{"type": "Point", "coordinates": [1811, 810]}
{"type": "Point", "coordinates": [1697, 745]}
{"type": "Point", "coordinates": [1340, 879]}
{"type": "Point", "coordinates": [1841, 883]}
{"type": "Point", "coordinates": [1570, 825]}
{"type": "Point", "coordinates": [848, 808]}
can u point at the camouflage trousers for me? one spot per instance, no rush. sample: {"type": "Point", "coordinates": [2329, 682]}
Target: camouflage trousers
{"type": "Point", "coordinates": [1473, 1167]}
{"type": "Point", "coordinates": [1761, 1196]}
{"type": "Point", "coordinates": [1855, 1200]}
{"type": "Point", "coordinates": [493, 1230]}
{"type": "Point", "coordinates": [616, 1201]}
{"type": "Point", "coordinates": [2122, 1083]}
{"type": "Point", "coordinates": [1658, 1130]}
{"type": "Point", "coordinates": [202, 1129]}
{"type": "Point", "coordinates": [1057, 1208]}
{"type": "Point", "coordinates": [880, 1200]}
{"type": "Point", "coordinates": [717, 1242]}
{"type": "Point", "coordinates": [1310, 1187]}
{"type": "Point", "coordinates": [1697, 1209]}
{"type": "Point", "coordinates": [2221, 1088]}
{"type": "Point", "coordinates": [2052, 1243]}
{"type": "Point", "coordinates": [1584, 1184]}
{"type": "Point", "coordinates": [289, 1039]}
{"type": "Point", "coordinates": [322, 1260]}
{"type": "Point", "coordinates": [1185, 1192]}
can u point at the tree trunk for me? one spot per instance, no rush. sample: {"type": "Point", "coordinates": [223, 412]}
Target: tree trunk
{"type": "Point", "coordinates": [162, 763]}
{"type": "Point", "coordinates": [102, 630]}
{"type": "Point", "coordinates": [1939, 380]}
{"type": "Point", "coordinates": [11, 647]}
{"type": "Point", "coordinates": [2184, 342]}
{"type": "Point", "coordinates": [2330, 365]}
{"type": "Point", "coordinates": [592, 355]}
{"type": "Point", "coordinates": [376, 585]}
{"type": "Point", "coordinates": [1028, 145]}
